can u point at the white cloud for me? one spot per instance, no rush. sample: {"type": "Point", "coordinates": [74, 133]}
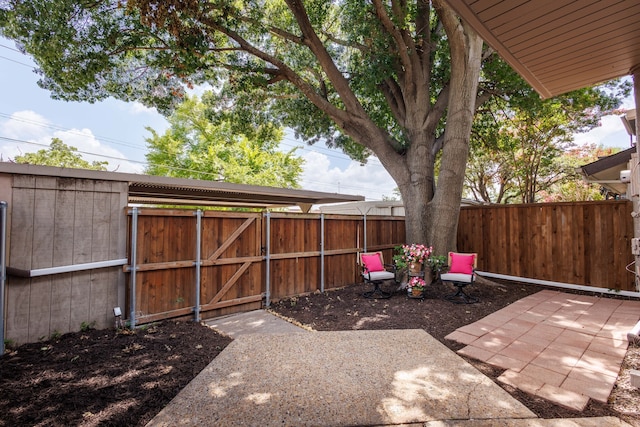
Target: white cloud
{"type": "Point", "coordinates": [138, 108]}
{"type": "Point", "coordinates": [611, 133]}
{"type": "Point", "coordinates": [24, 125]}
{"type": "Point", "coordinates": [371, 180]}
{"type": "Point", "coordinates": [32, 132]}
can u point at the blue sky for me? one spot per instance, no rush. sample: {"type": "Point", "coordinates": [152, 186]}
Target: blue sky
{"type": "Point", "coordinates": [115, 131]}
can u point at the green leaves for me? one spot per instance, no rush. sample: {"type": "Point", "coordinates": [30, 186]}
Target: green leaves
{"type": "Point", "coordinates": [61, 155]}
{"type": "Point", "coordinates": [208, 146]}
{"type": "Point", "coordinates": [520, 142]}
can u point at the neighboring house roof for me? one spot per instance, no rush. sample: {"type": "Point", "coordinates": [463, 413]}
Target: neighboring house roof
{"type": "Point", "coordinates": [147, 189]}
{"type": "Point", "coordinates": [561, 45]}
{"type": "Point", "coordinates": [606, 171]}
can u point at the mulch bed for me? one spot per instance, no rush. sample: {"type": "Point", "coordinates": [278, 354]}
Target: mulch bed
{"type": "Point", "coordinates": [123, 378]}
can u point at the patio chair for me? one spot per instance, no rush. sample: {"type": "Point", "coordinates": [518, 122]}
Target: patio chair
{"type": "Point", "coordinates": [375, 271]}
{"type": "Point", "coordinates": [461, 273]}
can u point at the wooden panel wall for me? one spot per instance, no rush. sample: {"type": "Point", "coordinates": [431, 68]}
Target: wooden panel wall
{"type": "Point", "coordinates": [57, 222]}
{"type": "Point", "coordinates": [233, 245]}
{"type": "Point", "coordinates": [579, 243]}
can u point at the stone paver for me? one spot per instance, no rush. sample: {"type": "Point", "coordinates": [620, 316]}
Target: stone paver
{"type": "Point", "coordinates": [563, 347]}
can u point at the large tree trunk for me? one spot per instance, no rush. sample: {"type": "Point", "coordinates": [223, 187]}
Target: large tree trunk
{"type": "Point", "coordinates": [444, 208]}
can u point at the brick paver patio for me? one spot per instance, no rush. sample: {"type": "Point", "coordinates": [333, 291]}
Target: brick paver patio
{"type": "Point", "coordinates": [562, 347]}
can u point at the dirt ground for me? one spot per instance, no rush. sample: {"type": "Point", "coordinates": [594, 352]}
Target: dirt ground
{"type": "Point", "coordinates": [123, 378]}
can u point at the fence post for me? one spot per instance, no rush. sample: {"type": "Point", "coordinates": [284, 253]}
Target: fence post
{"type": "Point", "coordinates": [267, 258]}
{"type": "Point", "coordinates": [3, 268]}
{"type": "Point", "coordinates": [322, 252]}
{"type": "Point", "coordinates": [198, 263]}
{"type": "Point", "coordinates": [134, 266]}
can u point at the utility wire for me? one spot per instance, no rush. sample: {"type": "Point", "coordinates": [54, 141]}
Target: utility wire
{"type": "Point", "coordinates": [17, 62]}
{"type": "Point", "coordinates": [174, 168]}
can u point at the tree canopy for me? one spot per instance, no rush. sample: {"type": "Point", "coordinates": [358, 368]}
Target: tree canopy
{"type": "Point", "coordinates": [398, 79]}
{"type": "Point", "coordinates": [518, 144]}
{"type": "Point", "coordinates": [61, 155]}
{"type": "Point", "coordinates": [196, 147]}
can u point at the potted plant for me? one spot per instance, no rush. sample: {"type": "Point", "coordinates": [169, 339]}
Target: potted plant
{"type": "Point", "coordinates": [415, 255]}
{"type": "Point", "coordinates": [416, 286]}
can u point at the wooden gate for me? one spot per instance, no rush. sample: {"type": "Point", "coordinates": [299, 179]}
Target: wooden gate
{"type": "Point", "coordinates": [186, 261]}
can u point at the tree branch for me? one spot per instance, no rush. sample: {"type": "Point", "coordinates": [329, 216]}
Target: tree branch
{"type": "Point", "coordinates": [393, 94]}
{"type": "Point", "coordinates": [396, 34]}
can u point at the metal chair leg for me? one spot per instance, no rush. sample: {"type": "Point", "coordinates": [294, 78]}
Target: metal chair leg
{"type": "Point", "coordinates": [460, 297]}
{"type": "Point", "coordinates": [377, 292]}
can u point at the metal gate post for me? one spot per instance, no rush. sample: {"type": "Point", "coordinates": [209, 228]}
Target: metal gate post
{"type": "Point", "coordinates": [198, 263]}
{"type": "Point", "coordinates": [267, 259]}
{"type": "Point", "coordinates": [134, 266]}
{"type": "Point", "coordinates": [3, 268]}
{"type": "Point", "coordinates": [322, 252]}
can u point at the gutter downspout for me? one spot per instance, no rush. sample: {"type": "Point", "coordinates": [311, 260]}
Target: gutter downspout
{"type": "Point", "coordinates": [635, 175]}
{"type": "Point", "coordinates": [3, 268]}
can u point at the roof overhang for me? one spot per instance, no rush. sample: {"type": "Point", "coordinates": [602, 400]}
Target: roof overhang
{"type": "Point", "coordinates": [559, 45]}
{"type": "Point", "coordinates": [147, 189]}
{"type": "Point", "coordinates": [606, 171]}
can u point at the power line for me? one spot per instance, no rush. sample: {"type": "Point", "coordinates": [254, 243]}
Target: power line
{"type": "Point", "coordinates": [10, 48]}
{"type": "Point", "coordinates": [71, 131]}
{"type": "Point", "coordinates": [17, 62]}
{"type": "Point", "coordinates": [286, 141]}
{"type": "Point", "coordinates": [147, 164]}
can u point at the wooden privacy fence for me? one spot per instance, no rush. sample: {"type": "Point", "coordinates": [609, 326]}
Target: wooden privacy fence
{"type": "Point", "coordinates": [212, 263]}
{"type": "Point", "coordinates": [586, 243]}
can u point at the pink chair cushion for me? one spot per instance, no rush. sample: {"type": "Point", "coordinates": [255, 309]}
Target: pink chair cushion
{"type": "Point", "coordinates": [372, 262]}
{"type": "Point", "coordinates": [462, 264]}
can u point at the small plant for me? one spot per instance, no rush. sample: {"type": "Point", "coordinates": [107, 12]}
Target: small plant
{"type": "Point", "coordinates": [416, 283]}
{"type": "Point", "coordinates": [398, 258]}
{"type": "Point", "coordinates": [55, 336]}
{"type": "Point", "coordinates": [437, 263]}
{"type": "Point", "coordinates": [87, 326]}
{"type": "Point", "coordinates": [9, 344]}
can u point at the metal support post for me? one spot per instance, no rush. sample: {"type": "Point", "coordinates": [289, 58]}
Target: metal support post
{"type": "Point", "coordinates": [198, 263]}
{"type": "Point", "coordinates": [134, 265]}
{"type": "Point", "coordinates": [364, 238]}
{"type": "Point", "coordinates": [267, 258]}
{"type": "Point", "coordinates": [322, 252]}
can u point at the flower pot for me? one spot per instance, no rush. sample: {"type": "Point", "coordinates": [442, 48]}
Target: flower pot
{"type": "Point", "coordinates": [416, 292]}
{"type": "Point", "coordinates": [415, 267]}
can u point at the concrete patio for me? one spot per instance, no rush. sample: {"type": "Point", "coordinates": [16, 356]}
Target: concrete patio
{"type": "Point", "coordinates": [275, 373]}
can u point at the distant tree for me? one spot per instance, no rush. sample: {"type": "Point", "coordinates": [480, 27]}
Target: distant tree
{"type": "Point", "coordinates": [194, 146]}
{"type": "Point", "coordinates": [394, 197]}
{"type": "Point", "coordinates": [518, 143]}
{"type": "Point", "coordinates": [61, 155]}
{"type": "Point", "coordinates": [572, 187]}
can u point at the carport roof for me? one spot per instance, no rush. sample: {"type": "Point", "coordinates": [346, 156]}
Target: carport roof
{"type": "Point", "coordinates": [147, 189]}
{"type": "Point", "coordinates": [559, 45]}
